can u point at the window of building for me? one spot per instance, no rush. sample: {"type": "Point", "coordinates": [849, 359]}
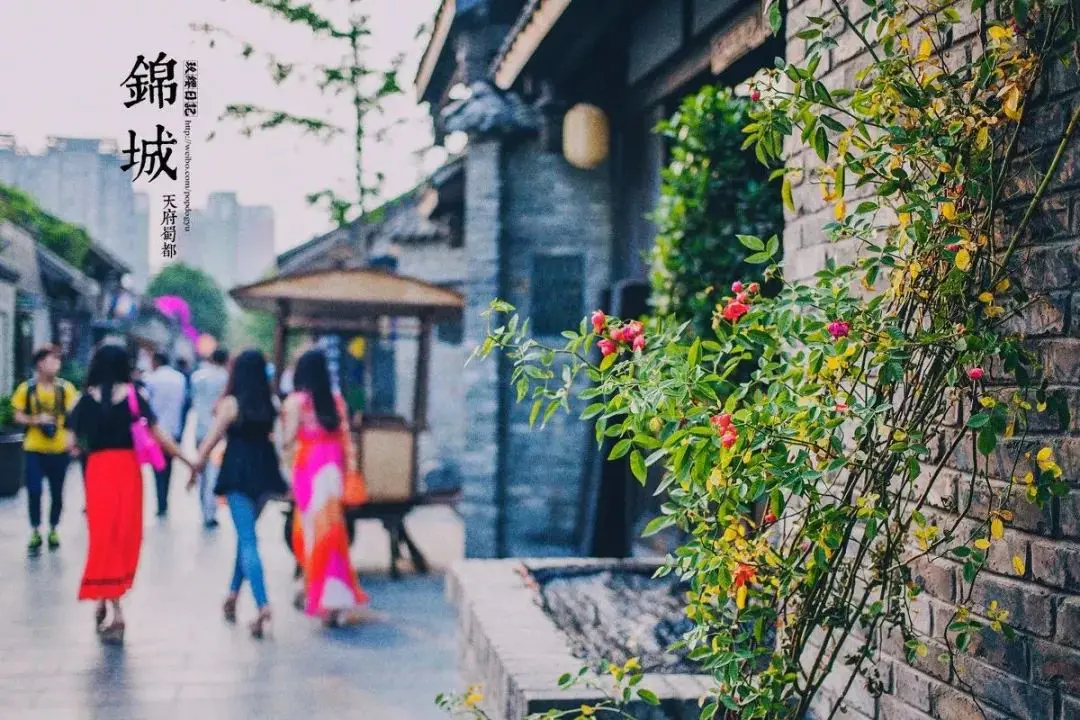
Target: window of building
{"type": "Point", "coordinates": [453, 331]}
{"type": "Point", "coordinates": [558, 293]}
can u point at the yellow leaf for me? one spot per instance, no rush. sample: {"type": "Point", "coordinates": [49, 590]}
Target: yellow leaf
{"type": "Point", "coordinates": [587, 711]}
{"type": "Point", "coordinates": [982, 544]}
{"type": "Point", "coordinates": [1028, 478]}
{"type": "Point", "coordinates": [785, 193]}
{"type": "Point", "coordinates": [999, 32]}
{"type": "Point", "coordinates": [944, 167]}
{"type": "Point", "coordinates": [1012, 103]}
{"type": "Point", "coordinates": [904, 218]}
{"type": "Point", "coordinates": [987, 402]}
{"type": "Point", "coordinates": [997, 528]}
{"type": "Point", "coordinates": [1018, 564]}
{"type": "Point", "coordinates": [740, 597]}
{"type": "Point", "coordinates": [963, 259]}
{"type": "Point", "coordinates": [1002, 286]}
{"type": "Point", "coordinates": [914, 269]}
{"type": "Point", "coordinates": [986, 298]}
{"type": "Point", "coordinates": [1041, 407]}
{"type": "Point", "coordinates": [839, 211]}
{"type": "Point", "coordinates": [925, 48]}
{"type": "Point", "coordinates": [982, 138]}
{"type": "Point", "coordinates": [1044, 455]}
{"type": "Point", "coordinates": [948, 211]}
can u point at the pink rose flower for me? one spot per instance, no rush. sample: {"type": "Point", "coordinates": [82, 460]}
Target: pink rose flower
{"type": "Point", "coordinates": [599, 321]}
{"type": "Point", "coordinates": [734, 311]}
{"type": "Point", "coordinates": [975, 373]}
{"type": "Point", "coordinates": [638, 343]}
{"type": "Point", "coordinates": [839, 329]}
{"type": "Point", "coordinates": [607, 347]}
{"type": "Point", "coordinates": [737, 287]}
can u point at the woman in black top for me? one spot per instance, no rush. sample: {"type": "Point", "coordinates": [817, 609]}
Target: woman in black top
{"type": "Point", "coordinates": [250, 471]}
{"type": "Point", "coordinates": [102, 420]}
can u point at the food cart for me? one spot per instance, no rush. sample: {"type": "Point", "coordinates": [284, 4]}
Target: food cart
{"type": "Point", "coordinates": [352, 301]}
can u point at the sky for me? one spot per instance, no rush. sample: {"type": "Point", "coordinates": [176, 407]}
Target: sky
{"type": "Point", "coordinates": [63, 63]}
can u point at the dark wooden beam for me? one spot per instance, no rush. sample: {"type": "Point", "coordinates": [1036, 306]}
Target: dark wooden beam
{"type": "Point", "coordinates": [423, 362]}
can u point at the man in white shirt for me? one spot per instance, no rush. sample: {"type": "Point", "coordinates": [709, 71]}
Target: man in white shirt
{"type": "Point", "coordinates": [207, 385]}
{"type": "Point", "coordinates": [166, 387]}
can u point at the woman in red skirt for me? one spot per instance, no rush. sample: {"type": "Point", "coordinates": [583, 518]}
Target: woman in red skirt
{"type": "Point", "coordinates": [114, 504]}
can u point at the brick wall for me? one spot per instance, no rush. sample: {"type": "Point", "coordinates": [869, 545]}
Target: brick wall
{"type": "Point", "coordinates": [1038, 676]}
{"type": "Point", "coordinates": [555, 209]}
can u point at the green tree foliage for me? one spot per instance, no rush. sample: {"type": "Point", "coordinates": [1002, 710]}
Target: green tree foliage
{"type": "Point", "coordinates": [207, 302]}
{"type": "Point", "coordinates": [349, 80]}
{"type": "Point", "coordinates": [711, 191]}
{"type": "Point", "coordinates": [70, 242]}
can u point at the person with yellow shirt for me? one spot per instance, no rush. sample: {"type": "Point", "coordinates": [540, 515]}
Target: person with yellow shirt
{"type": "Point", "coordinates": [42, 404]}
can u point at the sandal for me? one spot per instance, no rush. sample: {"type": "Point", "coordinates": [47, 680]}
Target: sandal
{"type": "Point", "coordinates": [259, 627]}
{"type": "Point", "coordinates": [229, 609]}
{"type": "Point", "coordinates": [99, 617]}
{"type": "Point", "coordinates": [113, 634]}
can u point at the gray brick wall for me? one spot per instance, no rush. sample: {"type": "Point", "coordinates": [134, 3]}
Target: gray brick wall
{"type": "Point", "coordinates": [521, 201]}
{"type": "Point", "coordinates": [483, 196]}
{"type": "Point", "coordinates": [1038, 676]}
{"type": "Point", "coordinates": [551, 208]}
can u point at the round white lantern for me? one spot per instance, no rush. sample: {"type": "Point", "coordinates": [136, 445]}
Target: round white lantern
{"type": "Point", "coordinates": [586, 136]}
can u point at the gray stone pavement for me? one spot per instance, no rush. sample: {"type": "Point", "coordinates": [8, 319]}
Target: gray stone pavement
{"type": "Point", "coordinates": [180, 660]}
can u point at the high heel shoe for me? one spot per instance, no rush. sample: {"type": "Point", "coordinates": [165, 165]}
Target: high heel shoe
{"type": "Point", "coordinates": [113, 634]}
{"type": "Point", "coordinates": [260, 626]}
{"type": "Point", "coordinates": [229, 609]}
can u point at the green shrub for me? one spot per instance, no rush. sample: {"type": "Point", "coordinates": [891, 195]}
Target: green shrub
{"type": "Point", "coordinates": [711, 191]}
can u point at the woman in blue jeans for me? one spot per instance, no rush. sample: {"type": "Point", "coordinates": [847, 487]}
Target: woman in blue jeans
{"type": "Point", "coordinates": [250, 472]}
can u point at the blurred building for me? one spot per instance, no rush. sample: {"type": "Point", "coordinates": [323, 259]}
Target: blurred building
{"type": "Point", "coordinates": [79, 180]}
{"type": "Point", "coordinates": [232, 243]}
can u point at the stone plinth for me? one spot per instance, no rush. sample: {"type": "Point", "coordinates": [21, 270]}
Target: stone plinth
{"type": "Point", "coordinates": [511, 647]}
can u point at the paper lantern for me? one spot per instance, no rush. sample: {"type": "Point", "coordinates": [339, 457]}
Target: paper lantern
{"type": "Point", "coordinates": [586, 137]}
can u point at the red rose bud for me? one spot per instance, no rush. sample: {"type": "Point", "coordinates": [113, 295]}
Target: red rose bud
{"type": "Point", "coordinates": [770, 518]}
{"type": "Point", "coordinates": [722, 421]}
{"type": "Point", "coordinates": [975, 373]}
{"type": "Point", "coordinates": [736, 287]}
{"type": "Point", "coordinates": [742, 298]}
{"type": "Point", "coordinates": [755, 95]}
{"type": "Point", "coordinates": [841, 407]}
{"type": "Point", "coordinates": [607, 347]}
{"type": "Point", "coordinates": [952, 247]}
{"type": "Point", "coordinates": [599, 321]}
{"type": "Point", "coordinates": [638, 343]}
{"type": "Point", "coordinates": [753, 288]}
{"type": "Point", "coordinates": [729, 438]}
{"type": "Point", "coordinates": [618, 335]}
{"type": "Point", "coordinates": [839, 329]}
{"type": "Point", "coordinates": [633, 330]}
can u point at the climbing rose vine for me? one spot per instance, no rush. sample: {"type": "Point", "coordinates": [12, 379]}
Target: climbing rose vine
{"type": "Point", "coordinates": [807, 491]}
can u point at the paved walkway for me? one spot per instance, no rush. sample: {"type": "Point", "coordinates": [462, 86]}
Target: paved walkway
{"type": "Point", "coordinates": [181, 661]}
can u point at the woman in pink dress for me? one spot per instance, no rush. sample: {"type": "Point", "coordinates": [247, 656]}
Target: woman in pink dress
{"type": "Point", "coordinates": [315, 433]}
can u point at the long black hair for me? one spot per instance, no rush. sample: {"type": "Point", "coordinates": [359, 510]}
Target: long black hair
{"type": "Point", "coordinates": [249, 384]}
{"type": "Point", "coordinates": [312, 375]}
{"type": "Point", "coordinates": [110, 366]}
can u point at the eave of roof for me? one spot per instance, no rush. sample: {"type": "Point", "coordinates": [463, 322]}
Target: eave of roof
{"type": "Point", "coordinates": [532, 26]}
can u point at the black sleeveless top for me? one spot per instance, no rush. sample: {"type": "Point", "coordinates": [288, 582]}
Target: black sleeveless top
{"type": "Point", "coordinates": [106, 427]}
{"type": "Point", "coordinates": [250, 466]}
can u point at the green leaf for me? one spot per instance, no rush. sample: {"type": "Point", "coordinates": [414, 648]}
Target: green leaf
{"type": "Point", "coordinates": [593, 410]}
{"type": "Point", "coordinates": [608, 361]}
{"type": "Point", "coordinates": [621, 448]}
{"type": "Point", "coordinates": [821, 144]}
{"type": "Point", "coordinates": [785, 194]}
{"type": "Point", "coordinates": [978, 421]}
{"type": "Point", "coordinates": [987, 441]}
{"type": "Point", "coordinates": [695, 353]}
{"type": "Point", "coordinates": [752, 242]}
{"type": "Point", "coordinates": [657, 524]}
{"type": "Point", "coordinates": [648, 696]}
{"type": "Point", "coordinates": [773, 245]}
{"type": "Point", "coordinates": [637, 466]}
{"type": "Point", "coordinates": [535, 412]}
{"type": "Point", "coordinates": [775, 19]}
{"type": "Point", "coordinates": [759, 258]}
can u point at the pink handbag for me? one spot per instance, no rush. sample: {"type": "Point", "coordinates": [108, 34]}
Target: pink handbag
{"type": "Point", "coordinates": [147, 449]}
